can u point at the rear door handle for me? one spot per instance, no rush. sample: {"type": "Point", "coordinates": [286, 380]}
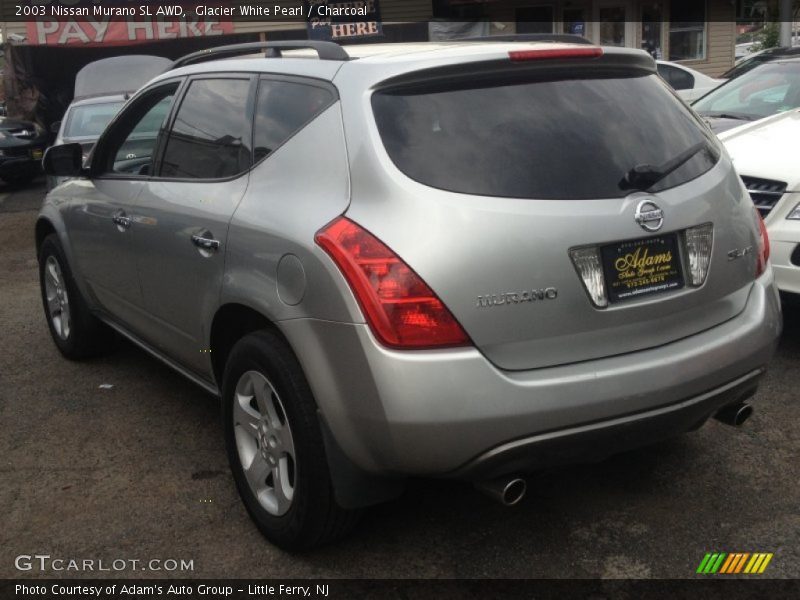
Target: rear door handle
{"type": "Point", "coordinates": [205, 243]}
{"type": "Point", "coordinates": [122, 221]}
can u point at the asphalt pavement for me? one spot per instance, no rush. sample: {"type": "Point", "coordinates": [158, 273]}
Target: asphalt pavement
{"type": "Point", "coordinates": [121, 458]}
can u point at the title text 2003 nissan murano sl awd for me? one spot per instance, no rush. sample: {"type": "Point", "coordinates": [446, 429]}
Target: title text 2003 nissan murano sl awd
{"type": "Point", "coordinates": [462, 260]}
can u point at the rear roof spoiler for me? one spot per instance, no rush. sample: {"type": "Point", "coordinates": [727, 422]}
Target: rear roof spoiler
{"type": "Point", "coordinates": [325, 50]}
{"type": "Point", "coordinates": [552, 65]}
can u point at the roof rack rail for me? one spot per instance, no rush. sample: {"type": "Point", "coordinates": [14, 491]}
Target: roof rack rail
{"type": "Point", "coordinates": [325, 50]}
{"type": "Point", "coordinates": [569, 38]}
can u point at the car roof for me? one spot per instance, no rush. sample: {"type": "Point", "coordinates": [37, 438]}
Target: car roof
{"type": "Point", "coordinates": [376, 62]}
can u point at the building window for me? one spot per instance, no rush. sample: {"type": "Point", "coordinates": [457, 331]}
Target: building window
{"type": "Point", "coordinates": [574, 20]}
{"type": "Point", "coordinates": [613, 22]}
{"type": "Point", "coordinates": [535, 19]}
{"type": "Point", "coordinates": [652, 28]}
{"type": "Point", "coordinates": [687, 30]}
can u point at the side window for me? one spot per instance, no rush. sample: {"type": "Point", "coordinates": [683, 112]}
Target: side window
{"type": "Point", "coordinates": [676, 78]}
{"type": "Point", "coordinates": [282, 109]}
{"type": "Point", "coordinates": [129, 147]}
{"type": "Point", "coordinates": [681, 80]}
{"type": "Point", "coordinates": [666, 74]}
{"type": "Point", "coordinates": [210, 137]}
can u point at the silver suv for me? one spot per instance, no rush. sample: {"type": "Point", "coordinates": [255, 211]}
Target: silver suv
{"type": "Point", "coordinates": [463, 260]}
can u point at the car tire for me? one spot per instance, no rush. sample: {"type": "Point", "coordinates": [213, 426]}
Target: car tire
{"type": "Point", "coordinates": [275, 446]}
{"type": "Point", "coordinates": [75, 330]}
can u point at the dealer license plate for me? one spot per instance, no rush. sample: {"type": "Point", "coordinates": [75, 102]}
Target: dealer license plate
{"type": "Point", "coordinates": [638, 268]}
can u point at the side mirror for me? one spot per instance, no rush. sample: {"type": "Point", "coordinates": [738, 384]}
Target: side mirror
{"type": "Point", "coordinates": [65, 160]}
{"type": "Point", "coordinates": [54, 127]}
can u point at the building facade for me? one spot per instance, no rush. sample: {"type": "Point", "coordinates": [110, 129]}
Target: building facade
{"type": "Point", "coordinates": [43, 55]}
{"type": "Point", "coordinates": [700, 33]}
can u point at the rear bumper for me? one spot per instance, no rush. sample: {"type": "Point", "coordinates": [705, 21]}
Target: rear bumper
{"type": "Point", "coordinates": [451, 412]}
{"type": "Point", "coordinates": [597, 441]}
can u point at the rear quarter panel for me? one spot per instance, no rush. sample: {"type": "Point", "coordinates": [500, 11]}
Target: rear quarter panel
{"type": "Point", "coordinates": [293, 193]}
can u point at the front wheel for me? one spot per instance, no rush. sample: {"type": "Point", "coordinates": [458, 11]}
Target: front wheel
{"type": "Point", "coordinates": [275, 446]}
{"type": "Point", "coordinates": [75, 330]}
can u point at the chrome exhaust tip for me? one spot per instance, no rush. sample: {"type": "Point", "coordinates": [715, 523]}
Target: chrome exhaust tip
{"type": "Point", "coordinates": [734, 414]}
{"type": "Point", "coordinates": [508, 491]}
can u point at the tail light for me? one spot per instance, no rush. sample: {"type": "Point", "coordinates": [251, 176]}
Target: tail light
{"type": "Point", "coordinates": [763, 246]}
{"type": "Point", "coordinates": [400, 308]}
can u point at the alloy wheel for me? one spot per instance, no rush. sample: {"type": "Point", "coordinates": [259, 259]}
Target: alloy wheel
{"type": "Point", "coordinates": [57, 298]}
{"type": "Point", "coordinates": [264, 443]}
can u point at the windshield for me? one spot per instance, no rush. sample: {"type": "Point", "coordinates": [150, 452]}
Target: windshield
{"type": "Point", "coordinates": [90, 120]}
{"type": "Point", "coordinates": [769, 89]}
{"type": "Point", "coordinates": [562, 139]}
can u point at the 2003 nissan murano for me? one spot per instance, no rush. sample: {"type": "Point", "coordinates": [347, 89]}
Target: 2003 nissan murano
{"type": "Point", "coordinates": [464, 260]}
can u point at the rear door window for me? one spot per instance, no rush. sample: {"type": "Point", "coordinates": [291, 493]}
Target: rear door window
{"type": "Point", "coordinates": [210, 135]}
{"type": "Point", "coordinates": [562, 139]}
{"type": "Point", "coordinates": [282, 109]}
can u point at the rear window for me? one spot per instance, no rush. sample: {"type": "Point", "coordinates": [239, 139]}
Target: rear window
{"type": "Point", "coordinates": [90, 120]}
{"type": "Point", "coordinates": [563, 139]}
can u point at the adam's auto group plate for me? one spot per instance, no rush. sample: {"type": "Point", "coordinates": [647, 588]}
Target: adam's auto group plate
{"type": "Point", "coordinates": [642, 267]}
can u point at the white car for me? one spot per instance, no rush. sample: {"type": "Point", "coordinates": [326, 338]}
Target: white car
{"type": "Point", "coordinates": [689, 84]}
{"type": "Point", "coordinates": [745, 50]}
{"type": "Point", "coordinates": [767, 156]}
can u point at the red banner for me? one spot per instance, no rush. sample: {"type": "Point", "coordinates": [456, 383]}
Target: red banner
{"type": "Point", "coordinates": [104, 31]}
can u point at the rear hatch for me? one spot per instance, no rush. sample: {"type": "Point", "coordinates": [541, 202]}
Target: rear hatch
{"type": "Point", "coordinates": [118, 74]}
{"type": "Point", "coordinates": [563, 209]}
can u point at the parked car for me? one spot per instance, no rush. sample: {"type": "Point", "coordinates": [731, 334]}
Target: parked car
{"type": "Point", "coordinates": [101, 89]}
{"type": "Point", "coordinates": [764, 91]}
{"type": "Point", "coordinates": [767, 155]}
{"type": "Point", "coordinates": [22, 145]}
{"type": "Point", "coordinates": [383, 269]}
{"type": "Point", "coordinates": [689, 83]}
{"type": "Point", "coordinates": [759, 58]}
{"type": "Point", "coordinates": [744, 51]}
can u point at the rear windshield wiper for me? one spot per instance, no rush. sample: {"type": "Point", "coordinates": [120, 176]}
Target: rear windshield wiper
{"type": "Point", "coordinates": [644, 176]}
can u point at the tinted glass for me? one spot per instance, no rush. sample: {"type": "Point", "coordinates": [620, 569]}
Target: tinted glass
{"type": "Point", "coordinates": [677, 78]}
{"type": "Point", "coordinates": [210, 137]}
{"type": "Point", "coordinates": [90, 120]}
{"type": "Point", "coordinates": [666, 72]}
{"type": "Point", "coordinates": [550, 139]}
{"type": "Point", "coordinates": [767, 90]}
{"type": "Point", "coordinates": [133, 139]}
{"type": "Point", "coordinates": [282, 109]}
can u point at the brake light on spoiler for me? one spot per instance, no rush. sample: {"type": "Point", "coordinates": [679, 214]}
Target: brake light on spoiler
{"type": "Point", "coordinates": [555, 53]}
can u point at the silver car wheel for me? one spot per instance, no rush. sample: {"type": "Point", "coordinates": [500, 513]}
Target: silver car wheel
{"type": "Point", "coordinates": [264, 443]}
{"type": "Point", "coordinates": [57, 298]}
